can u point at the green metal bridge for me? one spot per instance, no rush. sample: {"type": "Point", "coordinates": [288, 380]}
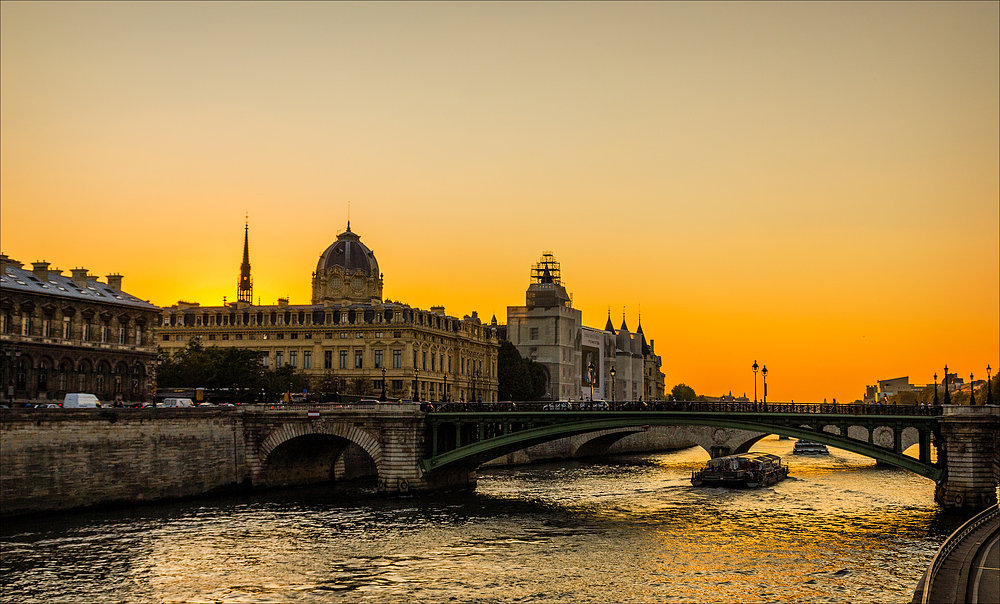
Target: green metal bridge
{"type": "Point", "coordinates": [465, 435]}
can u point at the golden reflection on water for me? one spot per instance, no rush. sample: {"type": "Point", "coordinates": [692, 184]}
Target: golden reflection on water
{"type": "Point", "coordinates": [629, 530]}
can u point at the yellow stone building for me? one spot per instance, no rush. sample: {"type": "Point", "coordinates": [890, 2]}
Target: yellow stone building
{"type": "Point", "coordinates": [348, 339]}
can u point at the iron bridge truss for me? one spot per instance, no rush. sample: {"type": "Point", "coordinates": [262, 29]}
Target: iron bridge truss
{"type": "Point", "coordinates": [466, 438]}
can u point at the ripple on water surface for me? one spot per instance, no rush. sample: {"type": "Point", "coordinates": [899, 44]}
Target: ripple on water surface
{"type": "Point", "coordinates": [627, 529]}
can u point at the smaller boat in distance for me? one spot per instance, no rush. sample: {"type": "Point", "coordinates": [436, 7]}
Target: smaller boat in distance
{"type": "Point", "coordinates": [745, 470]}
{"type": "Point", "coordinates": [804, 447]}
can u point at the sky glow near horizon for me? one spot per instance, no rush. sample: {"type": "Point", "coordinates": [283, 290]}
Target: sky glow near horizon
{"type": "Point", "coordinates": [812, 186]}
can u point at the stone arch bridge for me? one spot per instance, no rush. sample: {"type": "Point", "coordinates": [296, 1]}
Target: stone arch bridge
{"type": "Point", "coordinates": [67, 458]}
{"type": "Point", "coordinates": [413, 450]}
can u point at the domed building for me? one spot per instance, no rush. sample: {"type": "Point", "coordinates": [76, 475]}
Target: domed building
{"type": "Point", "coordinates": [347, 271]}
{"type": "Point", "coordinates": [348, 338]}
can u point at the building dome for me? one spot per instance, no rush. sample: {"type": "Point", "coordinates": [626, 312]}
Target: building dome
{"type": "Point", "coordinates": [348, 253]}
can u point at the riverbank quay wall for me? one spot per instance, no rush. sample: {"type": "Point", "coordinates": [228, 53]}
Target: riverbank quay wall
{"type": "Point", "coordinates": [58, 459]}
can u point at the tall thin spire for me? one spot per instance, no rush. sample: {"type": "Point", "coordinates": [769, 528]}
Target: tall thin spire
{"type": "Point", "coordinates": [245, 285]}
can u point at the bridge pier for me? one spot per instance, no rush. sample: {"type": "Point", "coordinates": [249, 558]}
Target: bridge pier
{"type": "Point", "coordinates": [968, 454]}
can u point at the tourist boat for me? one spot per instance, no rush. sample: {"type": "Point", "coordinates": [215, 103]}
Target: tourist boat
{"type": "Point", "coordinates": [745, 470]}
{"type": "Point", "coordinates": [804, 447]}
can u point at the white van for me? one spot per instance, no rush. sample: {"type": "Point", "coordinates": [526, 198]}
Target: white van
{"type": "Point", "coordinates": [177, 402]}
{"type": "Point", "coordinates": [79, 400]}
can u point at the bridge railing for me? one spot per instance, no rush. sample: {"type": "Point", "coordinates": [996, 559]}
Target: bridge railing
{"type": "Point", "coordinates": [692, 406]}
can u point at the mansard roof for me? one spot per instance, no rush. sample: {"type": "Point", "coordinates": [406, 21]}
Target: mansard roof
{"type": "Point", "coordinates": [61, 286]}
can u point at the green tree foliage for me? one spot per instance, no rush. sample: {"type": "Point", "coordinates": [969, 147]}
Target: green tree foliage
{"type": "Point", "coordinates": [539, 378]}
{"type": "Point", "coordinates": [239, 370]}
{"type": "Point", "coordinates": [683, 392]}
{"type": "Point", "coordinates": [518, 379]}
{"type": "Point", "coordinates": [907, 398]}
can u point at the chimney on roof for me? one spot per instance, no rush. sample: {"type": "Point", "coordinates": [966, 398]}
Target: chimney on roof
{"type": "Point", "coordinates": [115, 282]}
{"type": "Point", "coordinates": [41, 270]}
{"type": "Point", "coordinates": [5, 262]}
{"type": "Point", "coordinates": [80, 277]}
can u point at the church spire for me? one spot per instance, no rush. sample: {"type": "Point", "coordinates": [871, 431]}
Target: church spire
{"type": "Point", "coordinates": [245, 286]}
{"type": "Point", "coordinates": [609, 326]}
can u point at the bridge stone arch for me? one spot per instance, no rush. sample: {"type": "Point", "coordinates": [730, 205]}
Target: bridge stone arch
{"type": "Point", "coordinates": [300, 452]}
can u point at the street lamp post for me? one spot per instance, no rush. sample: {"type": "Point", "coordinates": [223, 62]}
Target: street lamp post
{"type": "Point", "coordinates": [989, 389]}
{"type": "Point", "coordinates": [590, 373]}
{"type": "Point", "coordinates": [935, 389]}
{"type": "Point", "coordinates": [444, 389]}
{"type": "Point", "coordinates": [947, 395]}
{"type": "Point", "coordinates": [972, 390]}
{"type": "Point", "coordinates": [613, 385]}
{"type": "Point", "coordinates": [763, 373]}
{"type": "Point", "coordinates": [416, 382]}
{"type": "Point", "coordinates": [383, 384]}
{"type": "Point", "coordinates": [755, 367]}
{"type": "Point", "coordinates": [13, 370]}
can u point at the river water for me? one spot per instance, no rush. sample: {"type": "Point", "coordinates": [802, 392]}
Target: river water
{"type": "Point", "coordinates": [617, 529]}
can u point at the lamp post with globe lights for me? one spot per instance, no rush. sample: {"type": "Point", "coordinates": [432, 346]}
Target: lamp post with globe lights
{"type": "Point", "coordinates": [755, 367]}
{"type": "Point", "coordinates": [763, 373]}
{"type": "Point", "coordinates": [613, 384]}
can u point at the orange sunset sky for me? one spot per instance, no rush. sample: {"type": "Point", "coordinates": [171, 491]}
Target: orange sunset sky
{"type": "Point", "coordinates": [814, 186]}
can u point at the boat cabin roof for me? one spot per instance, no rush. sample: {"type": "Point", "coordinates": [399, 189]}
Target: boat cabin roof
{"type": "Point", "coordinates": [747, 457]}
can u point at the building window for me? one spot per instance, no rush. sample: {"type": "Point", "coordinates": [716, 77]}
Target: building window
{"type": "Point", "coordinates": [359, 335]}
{"type": "Point", "coordinates": [378, 334]}
{"type": "Point", "coordinates": [65, 333]}
{"type": "Point", "coordinates": [104, 334]}
{"type": "Point", "coordinates": [344, 335]}
{"type": "Point", "coordinates": [433, 361]}
{"type": "Point", "coordinates": [534, 333]}
{"type": "Point", "coordinates": [281, 336]}
{"type": "Point", "coordinates": [307, 336]}
{"type": "Point", "coordinates": [239, 336]}
{"type": "Point", "coordinates": [121, 336]}
{"type": "Point", "coordinates": [307, 359]}
{"type": "Point", "coordinates": [397, 359]}
{"type": "Point", "coordinates": [293, 336]}
{"type": "Point", "coordinates": [225, 336]}
{"type": "Point", "coordinates": [328, 336]}
{"type": "Point", "coordinates": [293, 358]}
{"type": "Point", "coordinates": [265, 359]}
{"type": "Point", "coordinates": [343, 359]}
{"type": "Point", "coordinates": [25, 324]}
{"type": "Point", "coordinates": [211, 336]}
{"type": "Point", "coordinates": [423, 364]}
{"type": "Point", "coordinates": [138, 335]}
{"type": "Point", "coordinates": [397, 385]}
{"type": "Point", "coordinates": [278, 357]}
{"type": "Point", "coordinates": [166, 337]}
{"type": "Point", "coordinates": [378, 359]}
{"type": "Point", "coordinates": [327, 359]}
{"type": "Point", "coordinates": [358, 359]}
{"type": "Point", "coordinates": [397, 334]}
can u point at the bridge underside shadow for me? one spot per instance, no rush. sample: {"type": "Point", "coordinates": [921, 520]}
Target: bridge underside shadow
{"type": "Point", "coordinates": [723, 434]}
{"type": "Point", "coordinates": [312, 459]}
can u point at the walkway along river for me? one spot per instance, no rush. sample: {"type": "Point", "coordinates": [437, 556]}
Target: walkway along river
{"type": "Point", "coordinates": [627, 529]}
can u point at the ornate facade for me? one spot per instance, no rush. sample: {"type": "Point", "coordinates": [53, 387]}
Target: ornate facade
{"type": "Point", "coordinates": [579, 360]}
{"type": "Point", "coordinates": [73, 334]}
{"type": "Point", "coordinates": [349, 337]}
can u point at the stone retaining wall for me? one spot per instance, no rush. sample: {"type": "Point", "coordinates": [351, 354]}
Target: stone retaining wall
{"type": "Point", "coordinates": [56, 459]}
